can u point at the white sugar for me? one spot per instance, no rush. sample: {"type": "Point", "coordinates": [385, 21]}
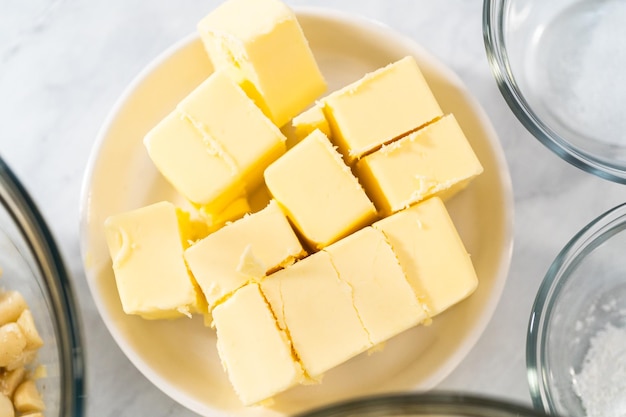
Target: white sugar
{"type": "Point", "coordinates": [601, 384]}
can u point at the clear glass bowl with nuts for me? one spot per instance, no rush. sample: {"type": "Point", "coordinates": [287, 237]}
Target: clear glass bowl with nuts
{"type": "Point", "coordinates": [41, 359]}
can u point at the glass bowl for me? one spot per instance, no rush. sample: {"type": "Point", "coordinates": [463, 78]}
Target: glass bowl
{"type": "Point", "coordinates": [576, 344]}
{"type": "Point", "coordinates": [559, 66]}
{"type": "Point", "coordinates": [425, 404]}
{"type": "Point", "coordinates": [31, 264]}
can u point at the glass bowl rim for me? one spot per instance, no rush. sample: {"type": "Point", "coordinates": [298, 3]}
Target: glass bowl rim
{"type": "Point", "coordinates": [425, 403]}
{"type": "Point", "coordinates": [41, 244]}
{"type": "Point", "coordinates": [600, 229]}
{"type": "Point", "coordinates": [497, 57]}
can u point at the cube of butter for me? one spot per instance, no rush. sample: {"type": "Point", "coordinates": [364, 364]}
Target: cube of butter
{"type": "Point", "coordinates": [235, 210]}
{"type": "Point", "coordinates": [435, 160]}
{"type": "Point", "coordinates": [255, 352]}
{"type": "Point", "coordinates": [431, 254]}
{"type": "Point", "coordinates": [243, 251]}
{"type": "Point", "coordinates": [216, 144]}
{"type": "Point", "coordinates": [261, 45]}
{"type": "Point", "coordinates": [318, 191]}
{"type": "Point", "coordinates": [315, 308]}
{"type": "Point", "coordinates": [381, 106]}
{"type": "Point", "coordinates": [146, 247]}
{"type": "Point", "coordinates": [194, 167]}
{"type": "Point", "coordinates": [228, 119]}
{"type": "Point", "coordinates": [304, 124]}
{"type": "Point", "coordinates": [381, 294]}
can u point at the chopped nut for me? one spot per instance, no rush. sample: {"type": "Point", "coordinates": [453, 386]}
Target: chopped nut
{"type": "Point", "coordinates": [12, 343]}
{"type": "Point", "coordinates": [9, 380]}
{"type": "Point", "coordinates": [6, 407]}
{"type": "Point", "coordinates": [19, 344]}
{"type": "Point", "coordinates": [27, 397]}
{"type": "Point", "coordinates": [11, 306]}
{"type": "Point", "coordinates": [27, 357]}
{"type": "Point", "coordinates": [27, 324]}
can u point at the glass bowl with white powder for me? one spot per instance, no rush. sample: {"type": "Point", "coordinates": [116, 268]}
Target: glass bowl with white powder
{"type": "Point", "coordinates": [559, 65]}
{"type": "Point", "coordinates": [576, 344]}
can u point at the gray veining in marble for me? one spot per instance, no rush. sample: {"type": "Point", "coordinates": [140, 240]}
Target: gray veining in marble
{"type": "Point", "coordinates": [63, 63]}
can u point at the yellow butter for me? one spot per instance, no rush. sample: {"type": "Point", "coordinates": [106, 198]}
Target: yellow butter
{"type": "Point", "coordinates": [203, 148]}
{"type": "Point", "coordinates": [318, 191]}
{"type": "Point", "coordinates": [243, 251]}
{"type": "Point", "coordinates": [216, 219]}
{"type": "Point", "coordinates": [431, 254]}
{"type": "Point", "coordinates": [261, 46]}
{"type": "Point", "coordinates": [192, 227]}
{"type": "Point", "coordinates": [435, 160]}
{"type": "Point", "coordinates": [383, 105]}
{"type": "Point", "coordinates": [315, 308]}
{"type": "Point", "coordinates": [195, 168]}
{"type": "Point", "coordinates": [146, 247]}
{"type": "Point", "coordinates": [255, 353]}
{"type": "Point", "coordinates": [304, 124]}
{"type": "Point", "coordinates": [234, 126]}
{"type": "Point", "coordinates": [381, 294]}
{"type": "Point", "coordinates": [259, 198]}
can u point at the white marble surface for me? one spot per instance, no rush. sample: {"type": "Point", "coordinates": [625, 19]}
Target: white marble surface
{"type": "Point", "coordinates": [63, 63]}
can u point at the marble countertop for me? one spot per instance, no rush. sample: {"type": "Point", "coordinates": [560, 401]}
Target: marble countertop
{"type": "Point", "coordinates": [63, 63]}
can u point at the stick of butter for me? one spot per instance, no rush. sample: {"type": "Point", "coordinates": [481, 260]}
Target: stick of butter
{"type": "Point", "coordinates": [343, 300]}
{"type": "Point", "coordinates": [262, 47]}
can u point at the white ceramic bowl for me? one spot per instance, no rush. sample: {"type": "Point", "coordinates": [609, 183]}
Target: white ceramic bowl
{"type": "Point", "coordinates": [180, 356]}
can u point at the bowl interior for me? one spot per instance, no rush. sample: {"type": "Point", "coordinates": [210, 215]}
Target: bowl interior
{"type": "Point", "coordinates": [583, 293]}
{"type": "Point", "coordinates": [559, 64]}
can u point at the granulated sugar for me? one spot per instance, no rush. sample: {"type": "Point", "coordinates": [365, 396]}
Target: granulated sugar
{"type": "Point", "coordinates": [601, 383]}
